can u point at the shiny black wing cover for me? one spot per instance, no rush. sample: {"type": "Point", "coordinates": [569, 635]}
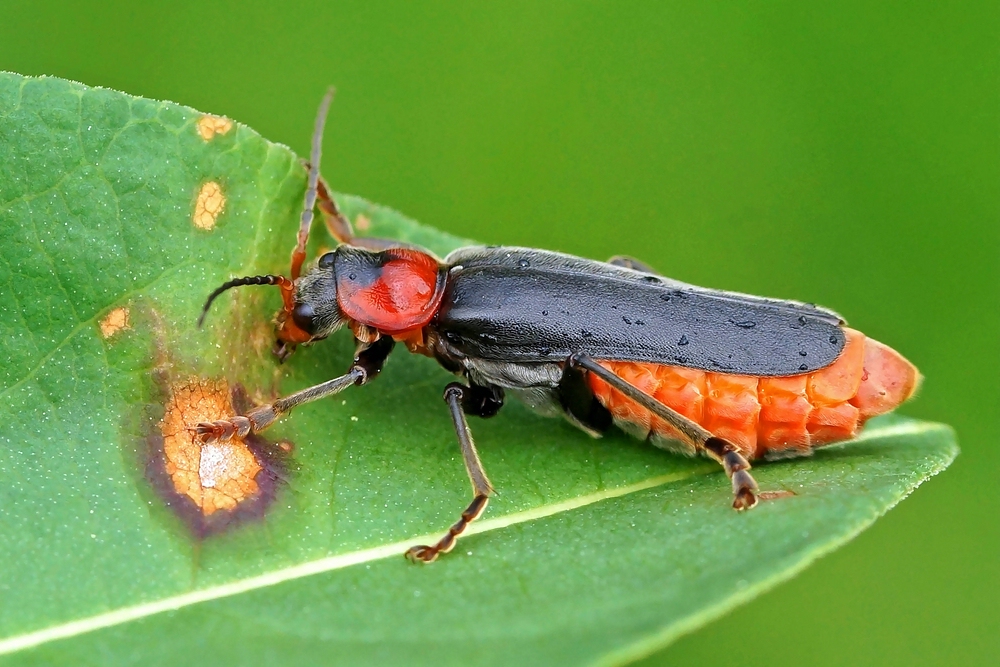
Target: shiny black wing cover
{"type": "Point", "coordinates": [524, 305]}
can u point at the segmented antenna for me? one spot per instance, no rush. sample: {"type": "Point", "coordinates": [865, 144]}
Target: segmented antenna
{"type": "Point", "coordinates": [239, 282]}
{"type": "Point", "coordinates": [299, 254]}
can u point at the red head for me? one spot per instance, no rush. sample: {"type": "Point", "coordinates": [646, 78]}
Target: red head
{"type": "Point", "coordinates": [393, 291]}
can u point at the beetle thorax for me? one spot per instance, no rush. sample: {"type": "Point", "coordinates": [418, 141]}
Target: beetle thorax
{"type": "Point", "coordinates": [393, 291]}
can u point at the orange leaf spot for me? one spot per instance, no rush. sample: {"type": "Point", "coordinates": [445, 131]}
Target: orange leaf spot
{"type": "Point", "coordinates": [209, 126]}
{"type": "Point", "coordinates": [115, 321]}
{"type": "Point", "coordinates": [215, 476]}
{"type": "Point", "coordinates": [208, 205]}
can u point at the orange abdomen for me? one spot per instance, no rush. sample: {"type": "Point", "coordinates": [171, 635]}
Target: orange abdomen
{"type": "Point", "coordinates": [762, 415]}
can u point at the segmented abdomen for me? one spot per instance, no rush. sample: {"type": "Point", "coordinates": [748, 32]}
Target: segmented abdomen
{"type": "Point", "coordinates": [767, 415]}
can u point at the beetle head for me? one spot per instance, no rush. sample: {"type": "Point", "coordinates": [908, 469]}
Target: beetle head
{"type": "Point", "coordinates": [309, 307]}
{"type": "Point", "coordinates": [311, 312]}
{"type": "Point", "coordinates": [393, 291]}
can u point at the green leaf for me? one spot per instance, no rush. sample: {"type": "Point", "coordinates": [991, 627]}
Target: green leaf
{"type": "Point", "coordinates": [593, 551]}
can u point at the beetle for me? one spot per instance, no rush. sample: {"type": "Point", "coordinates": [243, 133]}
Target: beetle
{"type": "Point", "coordinates": [695, 370]}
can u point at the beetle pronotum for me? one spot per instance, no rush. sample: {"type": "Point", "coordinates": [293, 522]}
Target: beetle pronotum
{"type": "Point", "coordinates": [731, 376]}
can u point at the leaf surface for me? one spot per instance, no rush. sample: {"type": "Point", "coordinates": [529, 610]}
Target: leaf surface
{"type": "Point", "coordinates": [593, 551]}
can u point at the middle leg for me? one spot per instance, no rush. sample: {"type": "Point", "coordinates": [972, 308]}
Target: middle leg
{"type": "Point", "coordinates": [484, 402]}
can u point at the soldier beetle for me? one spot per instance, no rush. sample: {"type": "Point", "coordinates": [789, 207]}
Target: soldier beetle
{"type": "Point", "coordinates": [700, 371]}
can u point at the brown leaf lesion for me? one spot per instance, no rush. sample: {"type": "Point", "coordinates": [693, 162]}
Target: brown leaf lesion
{"type": "Point", "coordinates": [211, 486]}
{"type": "Point", "coordinates": [119, 319]}
{"type": "Point", "coordinates": [215, 476]}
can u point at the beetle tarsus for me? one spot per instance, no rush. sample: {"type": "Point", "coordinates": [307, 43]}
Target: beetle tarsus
{"type": "Point", "coordinates": [723, 451]}
{"type": "Point", "coordinates": [239, 426]}
{"type": "Point", "coordinates": [428, 554]}
{"type": "Point", "coordinates": [745, 499]}
{"type": "Point", "coordinates": [223, 429]}
{"type": "Point", "coordinates": [738, 468]}
{"type": "Point", "coordinates": [261, 417]}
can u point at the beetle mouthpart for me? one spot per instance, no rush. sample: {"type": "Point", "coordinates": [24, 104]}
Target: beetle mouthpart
{"type": "Point", "coordinates": [282, 350]}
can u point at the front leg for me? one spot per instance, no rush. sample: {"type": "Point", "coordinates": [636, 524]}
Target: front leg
{"type": "Point", "coordinates": [483, 402]}
{"type": "Point", "coordinates": [367, 364]}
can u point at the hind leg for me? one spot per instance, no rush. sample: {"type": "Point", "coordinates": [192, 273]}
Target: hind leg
{"type": "Point", "coordinates": [726, 453]}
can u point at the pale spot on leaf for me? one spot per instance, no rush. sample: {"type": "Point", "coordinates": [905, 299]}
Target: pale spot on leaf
{"type": "Point", "coordinates": [115, 321]}
{"type": "Point", "coordinates": [209, 205]}
{"type": "Point", "coordinates": [209, 126]}
{"type": "Point", "coordinates": [215, 476]}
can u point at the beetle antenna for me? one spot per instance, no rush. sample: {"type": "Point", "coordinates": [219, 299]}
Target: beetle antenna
{"type": "Point", "coordinates": [281, 281]}
{"type": "Point", "coordinates": [299, 254]}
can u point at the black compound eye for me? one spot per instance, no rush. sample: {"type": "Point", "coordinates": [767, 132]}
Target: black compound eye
{"type": "Point", "coordinates": [326, 261]}
{"type": "Point", "coordinates": [303, 315]}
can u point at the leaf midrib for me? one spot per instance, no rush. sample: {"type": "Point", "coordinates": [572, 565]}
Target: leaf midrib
{"type": "Point", "coordinates": [327, 564]}
{"type": "Point", "coordinates": [123, 615]}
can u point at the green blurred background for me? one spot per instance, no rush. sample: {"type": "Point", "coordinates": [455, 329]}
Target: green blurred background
{"type": "Point", "coordinates": [847, 154]}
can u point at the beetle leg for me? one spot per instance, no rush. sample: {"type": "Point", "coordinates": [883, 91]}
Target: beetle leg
{"type": "Point", "coordinates": [261, 417]}
{"type": "Point", "coordinates": [367, 364]}
{"type": "Point", "coordinates": [631, 263]}
{"type": "Point", "coordinates": [736, 466]}
{"type": "Point", "coordinates": [305, 223]}
{"type": "Point", "coordinates": [456, 396]}
{"type": "Point", "coordinates": [340, 227]}
{"type": "Point", "coordinates": [336, 222]}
